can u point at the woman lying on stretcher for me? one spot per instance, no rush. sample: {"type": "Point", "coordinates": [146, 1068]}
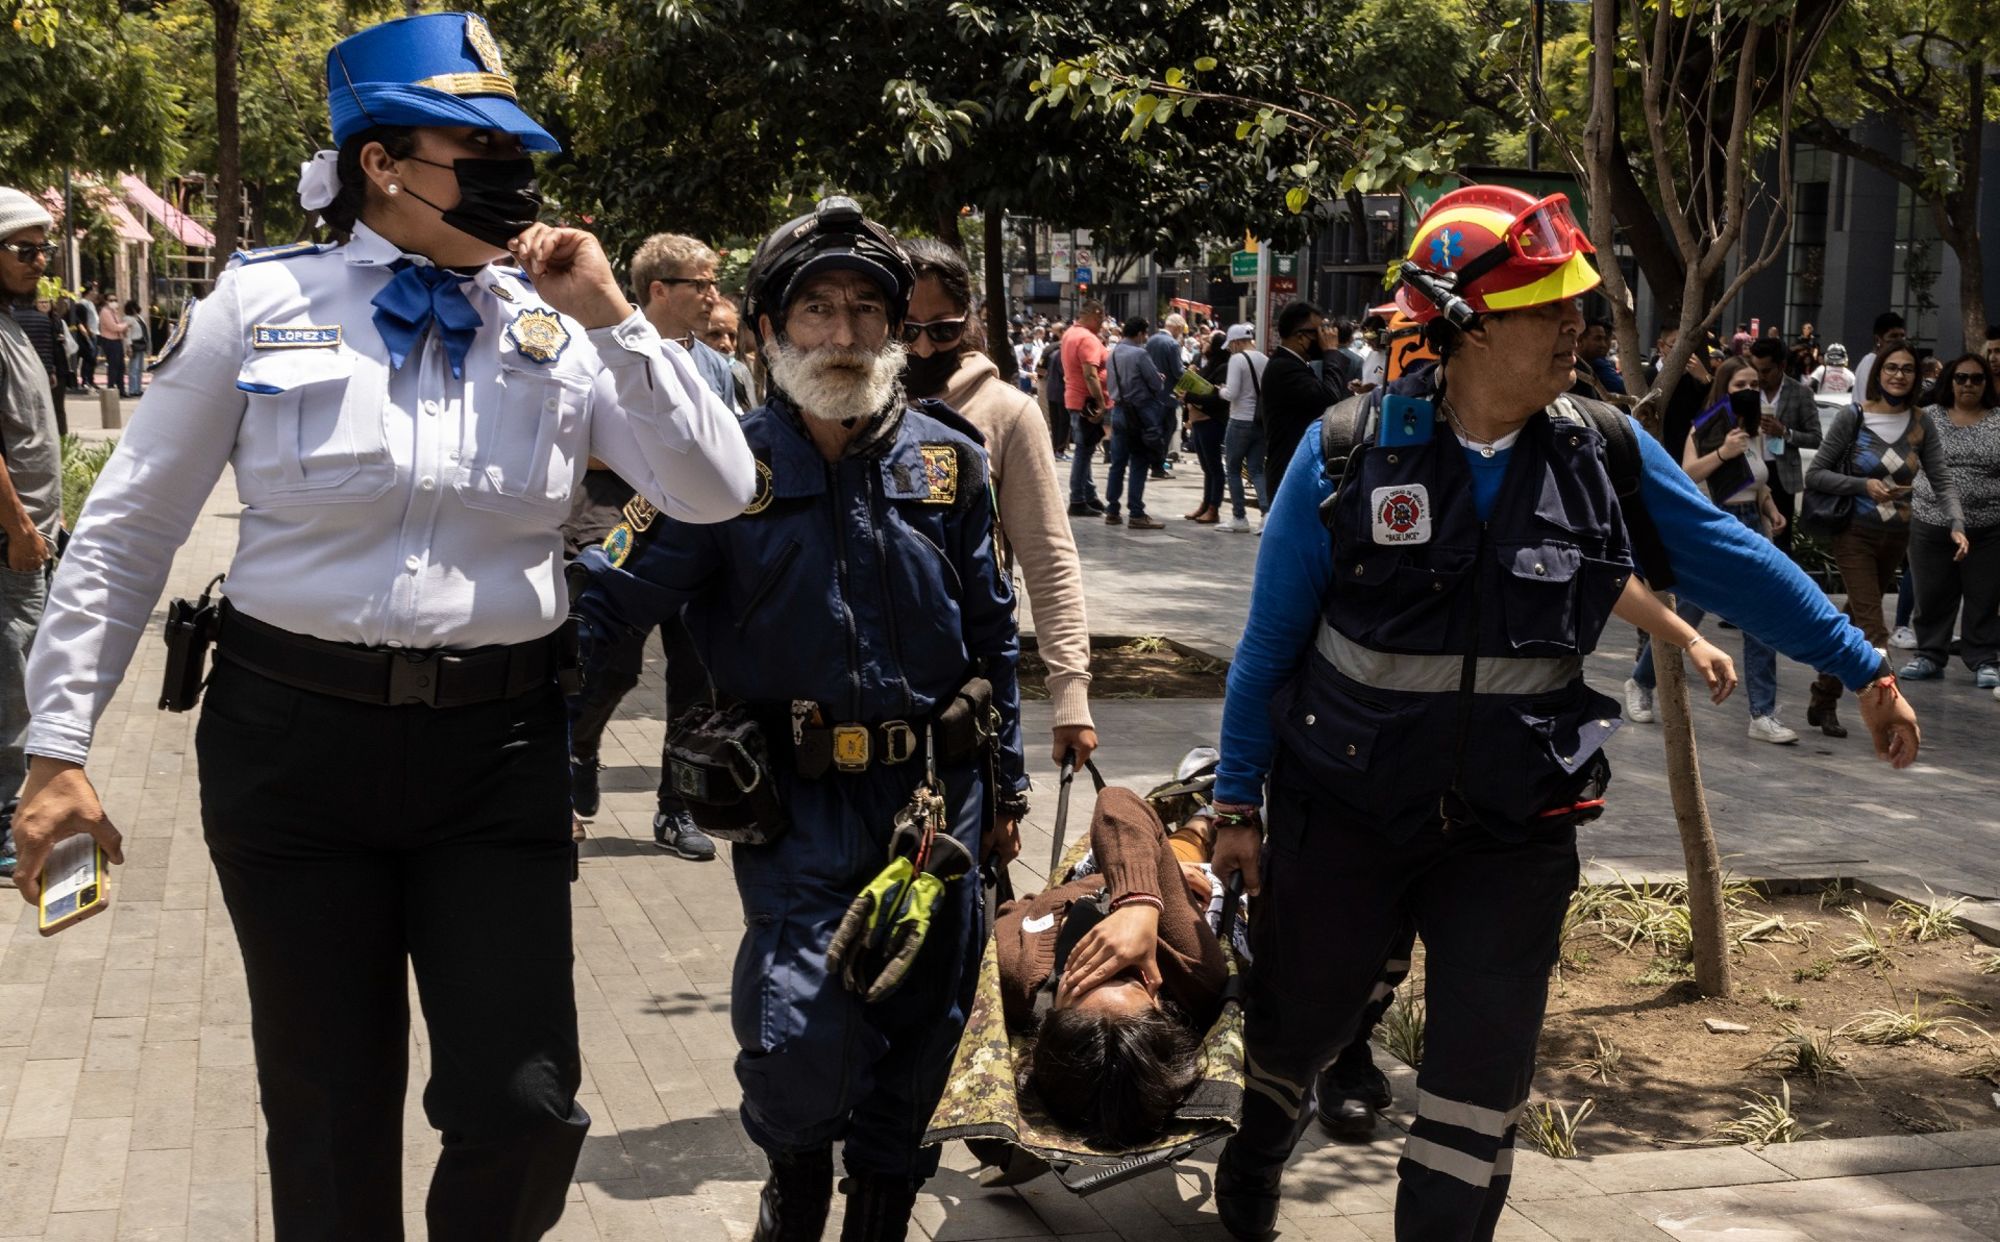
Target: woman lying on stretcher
{"type": "Point", "coordinates": [1118, 972]}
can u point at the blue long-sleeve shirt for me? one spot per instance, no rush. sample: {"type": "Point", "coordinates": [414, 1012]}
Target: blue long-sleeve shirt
{"type": "Point", "coordinates": [1721, 565]}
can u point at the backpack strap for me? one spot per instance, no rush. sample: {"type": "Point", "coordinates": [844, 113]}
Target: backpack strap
{"type": "Point", "coordinates": [1622, 460]}
{"type": "Point", "coordinates": [1343, 429]}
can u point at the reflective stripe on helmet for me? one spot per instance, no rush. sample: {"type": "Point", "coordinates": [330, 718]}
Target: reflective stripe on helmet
{"type": "Point", "coordinates": [1572, 279]}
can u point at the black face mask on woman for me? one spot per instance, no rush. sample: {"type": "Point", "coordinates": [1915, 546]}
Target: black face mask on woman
{"type": "Point", "coordinates": [497, 199]}
{"type": "Point", "coordinates": [927, 377]}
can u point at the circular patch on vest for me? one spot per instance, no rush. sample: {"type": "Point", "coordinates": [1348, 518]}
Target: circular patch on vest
{"type": "Point", "coordinates": [762, 500]}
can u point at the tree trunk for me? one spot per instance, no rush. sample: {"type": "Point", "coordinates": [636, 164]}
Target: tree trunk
{"type": "Point", "coordinates": [997, 345]}
{"type": "Point", "coordinates": [228, 138]}
{"type": "Point", "coordinates": [1964, 204]}
{"type": "Point", "coordinates": [1698, 848]}
{"type": "Point", "coordinates": [1706, 912]}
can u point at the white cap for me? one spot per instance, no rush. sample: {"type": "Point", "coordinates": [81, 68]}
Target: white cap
{"type": "Point", "coordinates": [1241, 332]}
{"type": "Point", "coordinates": [18, 211]}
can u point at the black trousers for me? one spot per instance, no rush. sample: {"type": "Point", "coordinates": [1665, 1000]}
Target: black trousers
{"type": "Point", "coordinates": [354, 844]}
{"type": "Point", "coordinates": [1966, 591]}
{"type": "Point", "coordinates": [591, 710]}
{"type": "Point", "coordinates": [1338, 899]}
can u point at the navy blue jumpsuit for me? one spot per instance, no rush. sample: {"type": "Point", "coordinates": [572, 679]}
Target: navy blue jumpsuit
{"type": "Point", "coordinates": [868, 586]}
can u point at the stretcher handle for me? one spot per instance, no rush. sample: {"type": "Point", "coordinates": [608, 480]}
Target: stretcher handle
{"type": "Point", "coordinates": [1062, 805]}
{"type": "Point", "coordinates": [1232, 909]}
{"type": "Point", "coordinates": [1126, 1170]}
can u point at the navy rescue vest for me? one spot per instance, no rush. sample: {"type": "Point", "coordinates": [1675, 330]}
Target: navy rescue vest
{"type": "Point", "coordinates": [1446, 675]}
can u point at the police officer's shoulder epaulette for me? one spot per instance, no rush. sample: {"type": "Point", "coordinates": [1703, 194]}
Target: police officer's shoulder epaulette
{"type": "Point", "coordinates": [291, 250]}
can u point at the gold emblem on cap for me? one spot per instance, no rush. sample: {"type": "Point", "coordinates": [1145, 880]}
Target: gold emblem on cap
{"type": "Point", "coordinates": [484, 45]}
{"type": "Point", "coordinates": [539, 335]}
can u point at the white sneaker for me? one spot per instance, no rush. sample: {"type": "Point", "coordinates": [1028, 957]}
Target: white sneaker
{"type": "Point", "coordinates": [1638, 703]}
{"type": "Point", "coordinates": [1903, 637]}
{"type": "Point", "coordinates": [1768, 729]}
{"type": "Point", "coordinates": [1235, 525]}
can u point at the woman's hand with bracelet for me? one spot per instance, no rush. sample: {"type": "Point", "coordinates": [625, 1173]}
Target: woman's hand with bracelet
{"type": "Point", "coordinates": [1239, 843]}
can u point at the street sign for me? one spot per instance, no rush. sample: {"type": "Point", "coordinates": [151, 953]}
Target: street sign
{"type": "Point", "coordinates": [1243, 265]}
{"type": "Point", "coordinates": [1084, 257]}
{"type": "Point", "coordinates": [1284, 265]}
{"type": "Point", "coordinates": [1060, 248]}
{"type": "Point", "coordinates": [1284, 286]}
{"type": "Point", "coordinates": [1083, 275]}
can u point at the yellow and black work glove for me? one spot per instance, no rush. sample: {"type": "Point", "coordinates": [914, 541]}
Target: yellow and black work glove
{"type": "Point", "coordinates": [885, 927]}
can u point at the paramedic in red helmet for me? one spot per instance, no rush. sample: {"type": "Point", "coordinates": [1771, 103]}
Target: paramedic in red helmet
{"type": "Point", "coordinates": [1408, 738]}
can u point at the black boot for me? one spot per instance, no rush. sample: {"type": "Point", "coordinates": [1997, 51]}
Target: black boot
{"type": "Point", "coordinates": [878, 1207]}
{"type": "Point", "coordinates": [796, 1197]}
{"type": "Point", "coordinates": [1351, 1092]}
{"type": "Point", "coordinates": [1820, 711]}
{"type": "Point", "coordinates": [1252, 1163]}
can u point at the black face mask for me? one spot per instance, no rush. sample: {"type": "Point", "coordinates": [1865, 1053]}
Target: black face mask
{"type": "Point", "coordinates": [927, 377]}
{"type": "Point", "coordinates": [497, 199]}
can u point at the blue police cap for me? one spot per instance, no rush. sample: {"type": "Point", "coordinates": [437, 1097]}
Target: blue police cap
{"type": "Point", "coordinates": [437, 69]}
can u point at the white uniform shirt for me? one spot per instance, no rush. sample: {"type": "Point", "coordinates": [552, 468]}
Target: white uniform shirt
{"type": "Point", "coordinates": [398, 508]}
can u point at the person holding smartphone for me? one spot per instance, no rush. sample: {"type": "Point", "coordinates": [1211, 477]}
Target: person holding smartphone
{"type": "Point", "coordinates": [1724, 454]}
{"type": "Point", "coordinates": [1873, 453]}
{"type": "Point", "coordinates": [383, 750]}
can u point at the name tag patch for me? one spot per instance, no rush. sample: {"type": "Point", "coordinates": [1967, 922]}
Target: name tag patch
{"type": "Point", "coordinates": [1402, 514]}
{"type": "Point", "coordinates": [295, 336]}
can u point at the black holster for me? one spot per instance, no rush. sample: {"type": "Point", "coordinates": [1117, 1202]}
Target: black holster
{"type": "Point", "coordinates": [190, 632]}
{"type": "Point", "coordinates": [966, 725]}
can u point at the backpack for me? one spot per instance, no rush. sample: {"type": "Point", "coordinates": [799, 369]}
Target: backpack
{"type": "Point", "coordinates": [1350, 426]}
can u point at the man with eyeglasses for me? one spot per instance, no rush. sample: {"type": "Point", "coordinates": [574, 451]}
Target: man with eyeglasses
{"type": "Point", "coordinates": [30, 488]}
{"type": "Point", "coordinates": [673, 281]}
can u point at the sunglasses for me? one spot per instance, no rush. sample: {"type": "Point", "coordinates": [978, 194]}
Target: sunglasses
{"type": "Point", "coordinates": [941, 331]}
{"type": "Point", "coordinates": [1968, 377]}
{"type": "Point", "coordinates": [28, 252]}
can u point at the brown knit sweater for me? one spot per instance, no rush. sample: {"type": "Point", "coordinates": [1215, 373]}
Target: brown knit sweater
{"type": "Point", "coordinates": [1132, 857]}
{"type": "Point", "coordinates": [1034, 524]}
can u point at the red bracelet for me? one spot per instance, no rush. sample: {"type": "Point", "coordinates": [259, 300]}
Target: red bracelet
{"type": "Point", "coordinates": [1144, 899]}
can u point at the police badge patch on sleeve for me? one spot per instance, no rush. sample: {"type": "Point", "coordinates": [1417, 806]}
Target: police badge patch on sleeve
{"type": "Point", "coordinates": [1401, 514]}
{"type": "Point", "coordinates": [175, 336]}
{"type": "Point", "coordinates": [941, 472]}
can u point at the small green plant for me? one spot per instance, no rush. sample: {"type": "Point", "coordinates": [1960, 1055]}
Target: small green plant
{"type": "Point", "coordinates": [1767, 1119]}
{"type": "Point", "coordinates": [1820, 969]}
{"type": "Point", "coordinates": [1868, 946]}
{"type": "Point", "coordinates": [1985, 1064]}
{"type": "Point", "coordinates": [1837, 896]}
{"type": "Point", "coordinates": [1779, 1001]}
{"type": "Point", "coordinates": [1890, 1027]}
{"type": "Point", "coordinates": [1150, 644]}
{"type": "Point", "coordinates": [1664, 972]}
{"type": "Point", "coordinates": [1602, 1064]}
{"type": "Point", "coordinates": [1776, 929]}
{"type": "Point", "coordinates": [1552, 1128]}
{"type": "Point", "coordinates": [1403, 1029]}
{"type": "Point", "coordinates": [1803, 1053]}
{"type": "Point", "coordinates": [1936, 919]}
{"type": "Point", "coordinates": [82, 461]}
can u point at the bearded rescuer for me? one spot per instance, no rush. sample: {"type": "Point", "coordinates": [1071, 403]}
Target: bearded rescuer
{"type": "Point", "coordinates": [1428, 591]}
{"type": "Point", "coordinates": [845, 618]}
{"type": "Point", "coordinates": [382, 748]}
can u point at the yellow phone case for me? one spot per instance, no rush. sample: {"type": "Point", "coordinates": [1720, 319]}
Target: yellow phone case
{"type": "Point", "coordinates": [71, 892]}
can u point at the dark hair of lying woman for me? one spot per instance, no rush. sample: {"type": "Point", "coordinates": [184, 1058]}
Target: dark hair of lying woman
{"type": "Point", "coordinates": [1114, 1066]}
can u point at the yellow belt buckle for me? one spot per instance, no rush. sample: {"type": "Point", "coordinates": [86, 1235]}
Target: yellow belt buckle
{"type": "Point", "coordinates": [850, 747]}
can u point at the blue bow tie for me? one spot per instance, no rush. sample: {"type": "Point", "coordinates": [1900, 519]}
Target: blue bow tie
{"type": "Point", "coordinates": [415, 297]}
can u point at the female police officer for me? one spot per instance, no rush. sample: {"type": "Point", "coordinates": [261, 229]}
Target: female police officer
{"type": "Point", "coordinates": [382, 752]}
{"type": "Point", "coordinates": [1419, 659]}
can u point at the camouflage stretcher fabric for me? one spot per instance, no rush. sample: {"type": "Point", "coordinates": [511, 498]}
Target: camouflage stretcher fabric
{"type": "Point", "coordinates": [986, 1096]}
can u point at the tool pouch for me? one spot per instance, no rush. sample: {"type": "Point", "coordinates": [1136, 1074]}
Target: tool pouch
{"type": "Point", "coordinates": [719, 764]}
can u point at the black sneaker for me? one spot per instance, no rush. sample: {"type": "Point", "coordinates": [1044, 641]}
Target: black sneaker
{"type": "Point", "coordinates": [1079, 509]}
{"type": "Point", "coordinates": [675, 830]}
{"type": "Point", "coordinates": [583, 798]}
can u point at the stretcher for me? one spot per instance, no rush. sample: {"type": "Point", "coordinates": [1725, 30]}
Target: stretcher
{"type": "Point", "coordinates": [986, 1105]}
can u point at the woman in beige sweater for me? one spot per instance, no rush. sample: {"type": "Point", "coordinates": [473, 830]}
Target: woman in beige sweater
{"type": "Point", "coordinates": [1033, 524]}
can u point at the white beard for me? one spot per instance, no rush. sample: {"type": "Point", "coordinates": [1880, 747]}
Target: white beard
{"type": "Point", "coordinates": [836, 385]}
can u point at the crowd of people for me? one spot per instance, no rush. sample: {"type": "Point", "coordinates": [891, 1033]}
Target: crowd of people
{"type": "Point", "coordinates": [479, 471]}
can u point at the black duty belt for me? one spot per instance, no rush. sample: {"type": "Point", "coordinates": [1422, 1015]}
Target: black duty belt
{"type": "Point", "coordinates": [857, 747]}
{"type": "Point", "coordinates": [393, 677]}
